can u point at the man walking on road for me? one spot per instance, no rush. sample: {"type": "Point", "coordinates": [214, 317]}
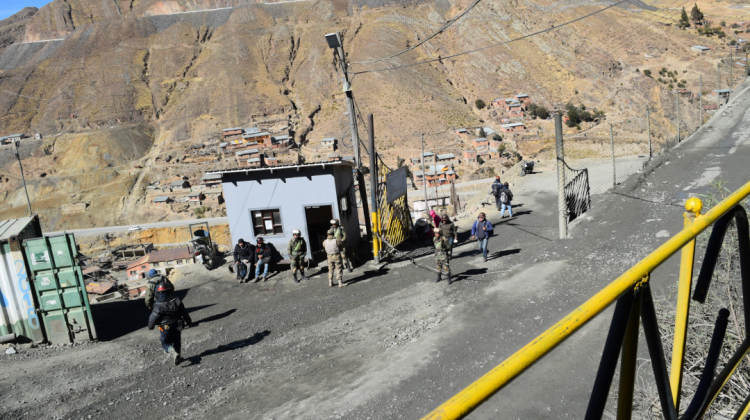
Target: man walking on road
{"type": "Point", "coordinates": [335, 267]}
{"type": "Point", "coordinates": [242, 254]}
{"type": "Point", "coordinates": [505, 198]}
{"type": "Point", "coordinates": [449, 231]}
{"type": "Point", "coordinates": [482, 230]}
{"type": "Point", "coordinates": [496, 187]}
{"type": "Point", "coordinates": [168, 314]}
{"type": "Point", "coordinates": [262, 259]}
{"type": "Point", "coordinates": [297, 249]}
{"type": "Point", "coordinates": [442, 260]}
{"type": "Point", "coordinates": [154, 278]}
{"type": "Point", "coordinates": [340, 235]}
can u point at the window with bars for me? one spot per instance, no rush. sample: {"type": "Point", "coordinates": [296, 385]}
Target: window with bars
{"type": "Point", "coordinates": [267, 222]}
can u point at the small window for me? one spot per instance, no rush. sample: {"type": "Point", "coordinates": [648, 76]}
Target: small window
{"type": "Point", "coordinates": [267, 222]}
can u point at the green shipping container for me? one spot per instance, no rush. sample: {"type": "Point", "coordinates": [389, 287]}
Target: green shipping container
{"type": "Point", "coordinates": [59, 288]}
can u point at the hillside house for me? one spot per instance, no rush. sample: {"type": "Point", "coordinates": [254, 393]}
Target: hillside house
{"type": "Point", "coordinates": [263, 138]}
{"type": "Point", "coordinates": [710, 107]}
{"type": "Point", "coordinates": [281, 142]}
{"type": "Point", "coordinates": [498, 103]}
{"type": "Point", "coordinates": [254, 162]}
{"type": "Point", "coordinates": [214, 196]}
{"type": "Point", "coordinates": [165, 260]}
{"type": "Point", "coordinates": [137, 269]}
{"type": "Point", "coordinates": [243, 155]}
{"type": "Point", "coordinates": [271, 161]}
{"type": "Point", "coordinates": [515, 111]}
{"type": "Point", "coordinates": [700, 49]}
{"type": "Point", "coordinates": [415, 161]}
{"type": "Point", "coordinates": [211, 181]}
{"type": "Point", "coordinates": [429, 158]}
{"type": "Point", "coordinates": [12, 138]}
{"type": "Point", "coordinates": [196, 199]}
{"type": "Point", "coordinates": [328, 143]}
{"type": "Point", "coordinates": [462, 131]}
{"type": "Point", "coordinates": [162, 201]}
{"type": "Point", "coordinates": [231, 132]}
{"type": "Point", "coordinates": [524, 99]}
{"type": "Point", "coordinates": [447, 158]}
{"type": "Point", "coordinates": [179, 185]}
{"type": "Point", "coordinates": [483, 155]}
{"type": "Point", "coordinates": [488, 132]}
{"type": "Point", "coordinates": [513, 128]}
{"type": "Point", "coordinates": [721, 93]}
{"type": "Point", "coordinates": [304, 197]}
{"type": "Point", "coordinates": [480, 142]}
{"type": "Point", "coordinates": [494, 144]}
{"type": "Point", "coordinates": [470, 155]}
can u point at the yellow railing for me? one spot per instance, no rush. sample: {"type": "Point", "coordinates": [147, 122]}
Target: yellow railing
{"type": "Point", "coordinates": [391, 222]}
{"type": "Point", "coordinates": [472, 396]}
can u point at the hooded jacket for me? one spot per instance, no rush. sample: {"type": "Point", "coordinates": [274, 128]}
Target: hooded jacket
{"type": "Point", "coordinates": [168, 310]}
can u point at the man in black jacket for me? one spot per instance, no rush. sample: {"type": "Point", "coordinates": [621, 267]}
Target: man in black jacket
{"type": "Point", "coordinates": [505, 198]}
{"type": "Point", "coordinates": [168, 313]}
{"type": "Point", "coordinates": [263, 255]}
{"type": "Point", "coordinates": [496, 187]}
{"type": "Point", "coordinates": [242, 253]}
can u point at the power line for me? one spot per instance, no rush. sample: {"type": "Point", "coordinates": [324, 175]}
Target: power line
{"type": "Point", "coordinates": [439, 31]}
{"type": "Point", "coordinates": [493, 45]}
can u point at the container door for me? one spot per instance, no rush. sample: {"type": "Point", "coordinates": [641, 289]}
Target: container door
{"type": "Point", "coordinates": [18, 309]}
{"type": "Point", "coordinates": [60, 289]}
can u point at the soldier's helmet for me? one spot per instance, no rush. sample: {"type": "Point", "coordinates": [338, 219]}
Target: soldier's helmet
{"type": "Point", "coordinates": [295, 232]}
{"type": "Point", "coordinates": [437, 231]}
{"type": "Point", "coordinates": [335, 222]}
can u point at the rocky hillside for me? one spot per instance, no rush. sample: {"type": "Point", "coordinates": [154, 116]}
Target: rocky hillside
{"type": "Point", "coordinates": [13, 29]}
{"type": "Point", "coordinates": [183, 70]}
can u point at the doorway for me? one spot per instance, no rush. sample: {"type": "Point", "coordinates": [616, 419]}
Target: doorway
{"type": "Point", "coordinates": [318, 220]}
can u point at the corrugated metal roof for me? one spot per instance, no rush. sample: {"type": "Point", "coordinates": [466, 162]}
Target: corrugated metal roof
{"type": "Point", "coordinates": [247, 152]}
{"type": "Point", "coordinates": [208, 177]}
{"type": "Point", "coordinates": [223, 144]}
{"type": "Point", "coordinates": [278, 138]}
{"type": "Point", "coordinates": [162, 199]}
{"type": "Point", "coordinates": [522, 95]}
{"type": "Point", "coordinates": [194, 194]}
{"type": "Point", "coordinates": [177, 183]}
{"type": "Point", "coordinates": [12, 227]}
{"type": "Point", "coordinates": [701, 47]}
{"type": "Point", "coordinates": [213, 191]}
{"type": "Point", "coordinates": [512, 125]}
{"type": "Point", "coordinates": [328, 139]}
{"type": "Point", "coordinates": [233, 129]}
{"type": "Point", "coordinates": [172, 254]}
{"type": "Point", "coordinates": [253, 130]}
{"type": "Point", "coordinates": [276, 168]}
{"type": "Point", "coordinates": [446, 156]}
{"type": "Point", "coordinates": [253, 160]}
{"type": "Point", "coordinates": [247, 136]}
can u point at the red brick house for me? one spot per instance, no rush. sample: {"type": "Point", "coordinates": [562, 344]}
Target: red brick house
{"type": "Point", "coordinates": [513, 128]}
{"type": "Point", "coordinates": [480, 142]}
{"type": "Point", "coordinates": [231, 132]}
{"type": "Point", "coordinates": [195, 199]}
{"type": "Point", "coordinates": [524, 99]}
{"type": "Point", "coordinates": [214, 197]}
{"type": "Point", "coordinates": [470, 155]}
{"type": "Point", "coordinates": [138, 268]}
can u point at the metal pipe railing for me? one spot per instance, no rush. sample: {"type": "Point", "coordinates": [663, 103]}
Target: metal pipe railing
{"type": "Point", "coordinates": [473, 395]}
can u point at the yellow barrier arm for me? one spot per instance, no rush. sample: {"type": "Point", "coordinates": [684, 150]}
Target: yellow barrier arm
{"type": "Point", "coordinates": [470, 397]}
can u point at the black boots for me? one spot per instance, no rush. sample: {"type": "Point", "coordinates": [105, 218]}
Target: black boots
{"type": "Point", "coordinates": [439, 276]}
{"type": "Point", "coordinates": [348, 266]}
{"type": "Point", "coordinates": [296, 280]}
{"type": "Point", "coordinates": [449, 278]}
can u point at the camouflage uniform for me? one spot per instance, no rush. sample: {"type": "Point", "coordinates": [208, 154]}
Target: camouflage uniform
{"type": "Point", "coordinates": [335, 262]}
{"type": "Point", "coordinates": [340, 235]}
{"type": "Point", "coordinates": [442, 261]}
{"type": "Point", "coordinates": [297, 249]}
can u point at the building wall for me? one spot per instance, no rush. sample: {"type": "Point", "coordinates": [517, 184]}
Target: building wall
{"type": "Point", "coordinates": [289, 191]}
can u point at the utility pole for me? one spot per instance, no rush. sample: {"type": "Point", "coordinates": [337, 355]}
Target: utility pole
{"type": "Point", "coordinates": [731, 80]}
{"type": "Point", "coordinates": [614, 169]}
{"type": "Point", "coordinates": [700, 100]}
{"type": "Point", "coordinates": [424, 177]}
{"type": "Point", "coordinates": [374, 190]}
{"type": "Point", "coordinates": [677, 101]}
{"type": "Point", "coordinates": [334, 42]}
{"type": "Point", "coordinates": [434, 171]}
{"type": "Point", "coordinates": [648, 121]}
{"type": "Point", "coordinates": [718, 83]}
{"type": "Point", "coordinates": [562, 207]}
{"type": "Point", "coordinates": [23, 178]}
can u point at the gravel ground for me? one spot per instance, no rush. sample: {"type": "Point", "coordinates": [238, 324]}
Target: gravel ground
{"type": "Point", "coordinates": [393, 344]}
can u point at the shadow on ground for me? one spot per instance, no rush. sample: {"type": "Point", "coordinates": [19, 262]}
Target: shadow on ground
{"type": "Point", "coordinates": [234, 345]}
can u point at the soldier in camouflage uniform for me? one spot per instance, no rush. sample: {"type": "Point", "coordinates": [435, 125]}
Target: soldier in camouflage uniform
{"type": "Point", "coordinates": [335, 267]}
{"type": "Point", "coordinates": [442, 261]}
{"type": "Point", "coordinates": [297, 249]}
{"type": "Point", "coordinates": [340, 235]}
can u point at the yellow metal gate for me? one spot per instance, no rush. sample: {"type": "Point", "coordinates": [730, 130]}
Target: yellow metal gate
{"type": "Point", "coordinates": [393, 220]}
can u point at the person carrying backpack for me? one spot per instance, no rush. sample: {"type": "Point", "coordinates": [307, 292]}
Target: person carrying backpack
{"type": "Point", "coordinates": [506, 196]}
{"type": "Point", "coordinates": [481, 231]}
{"type": "Point", "coordinates": [169, 314]}
{"type": "Point", "coordinates": [496, 187]}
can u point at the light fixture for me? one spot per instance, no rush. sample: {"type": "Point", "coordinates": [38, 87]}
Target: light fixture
{"type": "Point", "coordinates": [334, 40]}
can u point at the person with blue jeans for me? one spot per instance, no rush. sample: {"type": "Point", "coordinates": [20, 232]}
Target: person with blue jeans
{"type": "Point", "coordinates": [262, 259]}
{"type": "Point", "coordinates": [505, 198]}
{"type": "Point", "coordinates": [482, 230]}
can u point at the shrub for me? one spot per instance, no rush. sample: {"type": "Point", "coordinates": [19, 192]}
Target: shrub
{"type": "Point", "coordinates": [723, 23]}
{"type": "Point", "coordinates": [479, 104]}
{"type": "Point", "coordinates": [647, 72]}
{"type": "Point", "coordinates": [497, 137]}
{"type": "Point", "coordinates": [696, 14]}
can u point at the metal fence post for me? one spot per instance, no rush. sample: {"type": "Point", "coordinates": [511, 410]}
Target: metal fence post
{"type": "Point", "coordinates": [693, 208]}
{"type": "Point", "coordinates": [374, 219]}
{"type": "Point", "coordinates": [648, 121]}
{"type": "Point", "coordinates": [677, 104]}
{"type": "Point", "coordinates": [614, 169]}
{"type": "Point", "coordinates": [562, 207]}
